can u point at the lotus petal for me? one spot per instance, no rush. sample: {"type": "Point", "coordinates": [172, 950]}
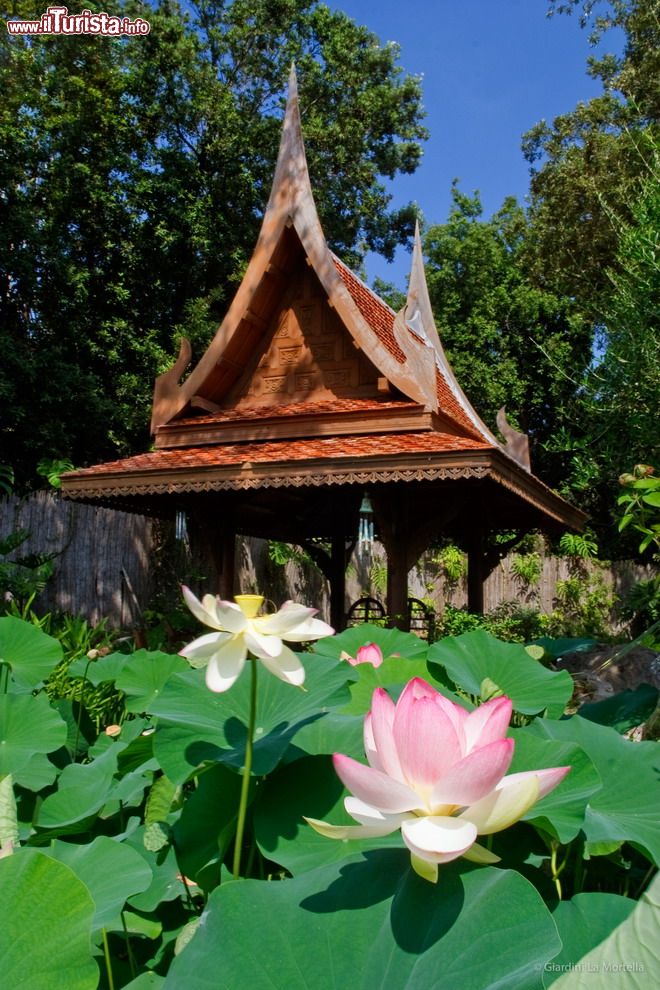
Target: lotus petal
{"type": "Point", "coordinates": [230, 616]}
{"type": "Point", "coordinates": [438, 838]}
{"type": "Point", "coordinates": [285, 620]}
{"type": "Point", "coordinates": [504, 806]}
{"type": "Point", "coordinates": [374, 787]}
{"type": "Point", "coordinates": [548, 779]}
{"type": "Point", "coordinates": [365, 814]}
{"type": "Point", "coordinates": [479, 854]}
{"type": "Point", "coordinates": [425, 739]}
{"type": "Point", "coordinates": [381, 724]}
{"type": "Point", "coordinates": [286, 665]}
{"type": "Point", "coordinates": [348, 831]}
{"type": "Point", "coordinates": [202, 614]}
{"type": "Point", "coordinates": [264, 647]}
{"type": "Point", "coordinates": [487, 723]}
{"type": "Point", "coordinates": [205, 646]}
{"type": "Point", "coordinates": [226, 664]}
{"type": "Point", "coordinates": [475, 775]}
{"type": "Point", "coordinates": [370, 750]}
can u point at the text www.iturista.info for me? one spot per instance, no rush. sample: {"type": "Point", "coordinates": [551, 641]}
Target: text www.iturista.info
{"type": "Point", "coordinates": [58, 20]}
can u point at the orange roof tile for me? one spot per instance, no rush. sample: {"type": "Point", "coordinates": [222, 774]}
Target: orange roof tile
{"type": "Point", "coordinates": [319, 408]}
{"type": "Point", "coordinates": [377, 313]}
{"type": "Point", "coordinates": [272, 452]}
{"type": "Point", "coordinates": [450, 406]}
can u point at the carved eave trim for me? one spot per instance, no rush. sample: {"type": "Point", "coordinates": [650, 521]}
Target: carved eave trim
{"type": "Point", "coordinates": [291, 204]}
{"type": "Point", "coordinates": [346, 423]}
{"type": "Point", "coordinates": [414, 467]}
{"type": "Point", "coordinates": [280, 474]}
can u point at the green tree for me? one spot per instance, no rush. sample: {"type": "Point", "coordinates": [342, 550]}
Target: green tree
{"type": "Point", "coordinates": [616, 411]}
{"type": "Point", "coordinates": [133, 177]}
{"type": "Point", "coordinates": [586, 165]}
{"type": "Point", "coordinates": [510, 341]}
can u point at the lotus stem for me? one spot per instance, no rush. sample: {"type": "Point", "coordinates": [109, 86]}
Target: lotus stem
{"type": "Point", "coordinates": [129, 948]}
{"type": "Point", "coordinates": [108, 963]}
{"type": "Point", "coordinates": [247, 769]}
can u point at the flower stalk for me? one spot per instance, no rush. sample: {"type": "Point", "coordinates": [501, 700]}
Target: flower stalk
{"type": "Point", "coordinates": [247, 770]}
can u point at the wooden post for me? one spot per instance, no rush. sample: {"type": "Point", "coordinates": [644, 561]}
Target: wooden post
{"type": "Point", "coordinates": [337, 579]}
{"type": "Point", "coordinates": [476, 572]}
{"type": "Point", "coordinates": [220, 540]}
{"type": "Point", "coordinates": [397, 583]}
{"type": "Point", "coordinates": [227, 560]}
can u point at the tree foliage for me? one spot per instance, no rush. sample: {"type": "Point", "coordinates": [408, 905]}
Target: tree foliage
{"type": "Point", "coordinates": [586, 164]}
{"type": "Point", "coordinates": [594, 236]}
{"type": "Point", "coordinates": [511, 342]}
{"type": "Point", "coordinates": [134, 174]}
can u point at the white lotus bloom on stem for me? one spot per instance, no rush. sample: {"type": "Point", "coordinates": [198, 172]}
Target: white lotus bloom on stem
{"type": "Point", "coordinates": [242, 631]}
{"type": "Point", "coordinates": [437, 772]}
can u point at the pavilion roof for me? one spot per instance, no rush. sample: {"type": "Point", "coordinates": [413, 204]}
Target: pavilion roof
{"type": "Point", "coordinates": [214, 433]}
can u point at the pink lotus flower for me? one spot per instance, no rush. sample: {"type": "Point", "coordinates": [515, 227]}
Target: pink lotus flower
{"type": "Point", "coordinates": [369, 653]}
{"type": "Point", "coordinates": [437, 772]}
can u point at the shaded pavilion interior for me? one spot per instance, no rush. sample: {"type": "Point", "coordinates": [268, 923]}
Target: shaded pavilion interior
{"type": "Point", "coordinates": [312, 394]}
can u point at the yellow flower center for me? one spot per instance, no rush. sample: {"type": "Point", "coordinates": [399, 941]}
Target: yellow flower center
{"type": "Point", "coordinates": [249, 604]}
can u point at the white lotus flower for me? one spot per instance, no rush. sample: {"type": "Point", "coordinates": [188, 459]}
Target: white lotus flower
{"type": "Point", "coordinates": [240, 631]}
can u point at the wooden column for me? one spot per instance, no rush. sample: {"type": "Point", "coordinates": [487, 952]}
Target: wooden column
{"type": "Point", "coordinates": [220, 541]}
{"type": "Point", "coordinates": [333, 567]}
{"type": "Point", "coordinates": [476, 572]}
{"type": "Point", "coordinates": [397, 583]}
{"type": "Point", "coordinates": [337, 580]}
{"type": "Point", "coordinates": [406, 531]}
{"type": "Point", "coordinates": [227, 560]}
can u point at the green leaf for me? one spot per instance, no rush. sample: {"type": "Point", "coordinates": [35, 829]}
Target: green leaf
{"type": "Point", "coordinates": [82, 791]}
{"type": "Point", "coordinates": [166, 884]}
{"type": "Point", "coordinates": [143, 677]}
{"type": "Point", "coordinates": [196, 725]}
{"type": "Point", "coordinates": [562, 811]}
{"type": "Point", "coordinates": [8, 816]}
{"type": "Point", "coordinates": [625, 710]}
{"type": "Point", "coordinates": [146, 981]}
{"type": "Point", "coordinates": [309, 788]}
{"type": "Point", "coordinates": [371, 922]}
{"type": "Point", "coordinates": [471, 658]}
{"type": "Point", "coordinates": [652, 498]}
{"type": "Point", "coordinates": [627, 806]}
{"type": "Point", "coordinates": [28, 725]}
{"type": "Point", "coordinates": [584, 923]}
{"type": "Point", "coordinates": [393, 675]}
{"type": "Point", "coordinates": [559, 647]}
{"type": "Point", "coordinates": [110, 870]}
{"type": "Point", "coordinates": [392, 642]}
{"type": "Point", "coordinates": [628, 957]}
{"type": "Point", "coordinates": [137, 924]}
{"type": "Point", "coordinates": [333, 733]}
{"type": "Point", "coordinates": [207, 824]}
{"type": "Point", "coordinates": [46, 916]}
{"type": "Point", "coordinates": [159, 801]}
{"type": "Point", "coordinates": [102, 669]}
{"type": "Point", "coordinates": [30, 653]}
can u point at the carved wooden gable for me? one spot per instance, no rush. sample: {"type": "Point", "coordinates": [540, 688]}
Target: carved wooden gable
{"type": "Point", "coordinates": [307, 355]}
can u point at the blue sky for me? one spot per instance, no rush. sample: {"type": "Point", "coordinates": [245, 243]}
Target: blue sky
{"type": "Point", "coordinates": [491, 69]}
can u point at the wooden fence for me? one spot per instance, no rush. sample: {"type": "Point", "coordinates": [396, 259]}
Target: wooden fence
{"type": "Point", "coordinates": [102, 557]}
{"type": "Point", "coordinates": [106, 564]}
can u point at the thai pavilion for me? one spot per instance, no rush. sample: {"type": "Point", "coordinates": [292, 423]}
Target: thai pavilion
{"type": "Point", "coordinates": [313, 400]}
